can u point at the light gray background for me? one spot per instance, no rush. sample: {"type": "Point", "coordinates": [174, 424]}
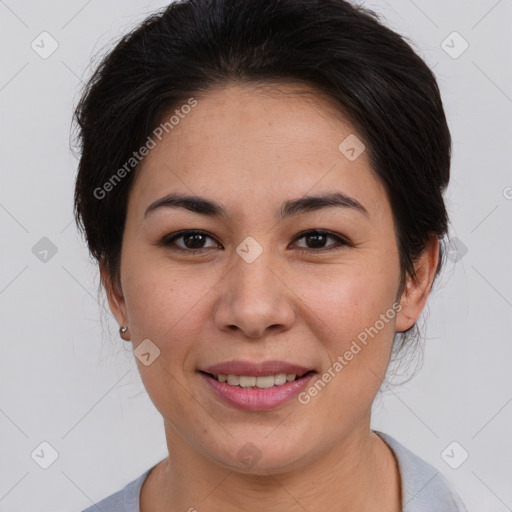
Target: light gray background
{"type": "Point", "coordinates": [70, 381]}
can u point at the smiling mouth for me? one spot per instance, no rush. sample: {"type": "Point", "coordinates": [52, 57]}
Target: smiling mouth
{"type": "Point", "coordinates": [260, 382]}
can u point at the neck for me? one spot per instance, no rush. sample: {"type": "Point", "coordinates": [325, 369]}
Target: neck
{"type": "Point", "coordinates": [357, 474]}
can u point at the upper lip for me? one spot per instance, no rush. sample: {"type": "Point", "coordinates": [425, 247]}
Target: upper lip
{"type": "Point", "coordinates": [239, 367]}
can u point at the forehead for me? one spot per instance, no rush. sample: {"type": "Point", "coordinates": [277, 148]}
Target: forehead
{"type": "Point", "coordinates": [261, 141]}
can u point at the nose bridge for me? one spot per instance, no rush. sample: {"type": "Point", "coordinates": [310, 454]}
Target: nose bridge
{"type": "Point", "coordinates": [252, 279]}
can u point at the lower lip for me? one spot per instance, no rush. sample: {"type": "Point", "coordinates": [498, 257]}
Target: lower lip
{"type": "Point", "coordinates": [257, 399]}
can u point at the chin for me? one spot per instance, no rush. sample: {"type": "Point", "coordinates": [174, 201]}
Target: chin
{"type": "Point", "coordinates": [262, 457]}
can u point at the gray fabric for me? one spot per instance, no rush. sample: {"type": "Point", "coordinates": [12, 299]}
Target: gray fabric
{"type": "Point", "coordinates": [424, 489]}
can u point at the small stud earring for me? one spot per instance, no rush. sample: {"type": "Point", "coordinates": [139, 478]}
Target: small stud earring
{"type": "Point", "coordinates": [122, 331]}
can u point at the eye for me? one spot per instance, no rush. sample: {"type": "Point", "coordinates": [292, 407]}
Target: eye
{"type": "Point", "coordinates": [193, 241]}
{"type": "Point", "coordinates": [317, 238]}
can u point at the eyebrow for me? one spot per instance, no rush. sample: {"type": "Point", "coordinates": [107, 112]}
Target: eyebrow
{"type": "Point", "coordinates": [289, 208]}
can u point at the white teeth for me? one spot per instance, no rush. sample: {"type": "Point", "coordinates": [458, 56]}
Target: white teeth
{"type": "Point", "coordinates": [233, 380]}
{"type": "Point", "coordinates": [246, 382]}
{"type": "Point", "coordinates": [266, 381]}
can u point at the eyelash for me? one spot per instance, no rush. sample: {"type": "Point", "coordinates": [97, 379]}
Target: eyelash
{"type": "Point", "coordinates": [168, 241]}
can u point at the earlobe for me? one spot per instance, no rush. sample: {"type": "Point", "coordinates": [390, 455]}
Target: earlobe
{"type": "Point", "coordinates": [417, 289]}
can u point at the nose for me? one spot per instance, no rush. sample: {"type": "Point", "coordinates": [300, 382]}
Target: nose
{"type": "Point", "coordinates": [254, 298]}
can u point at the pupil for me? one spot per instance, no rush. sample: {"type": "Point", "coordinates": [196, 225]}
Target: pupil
{"type": "Point", "coordinates": [199, 239]}
{"type": "Point", "coordinates": [319, 238]}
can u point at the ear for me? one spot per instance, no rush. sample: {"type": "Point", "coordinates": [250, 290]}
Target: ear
{"type": "Point", "coordinates": [114, 296]}
{"type": "Point", "coordinates": [417, 290]}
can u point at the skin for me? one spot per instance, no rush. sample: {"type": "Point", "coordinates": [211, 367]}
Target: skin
{"type": "Point", "coordinates": [250, 149]}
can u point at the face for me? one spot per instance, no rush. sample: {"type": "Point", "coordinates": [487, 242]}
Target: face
{"type": "Point", "coordinates": [271, 276]}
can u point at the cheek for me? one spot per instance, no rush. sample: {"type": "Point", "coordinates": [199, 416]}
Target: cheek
{"type": "Point", "coordinates": [355, 319]}
{"type": "Point", "coordinates": [358, 342]}
{"type": "Point", "coordinates": [166, 310]}
{"type": "Point", "coordinates": [349, 300]}
{"type": "Point", "coordinates": [160, 295]}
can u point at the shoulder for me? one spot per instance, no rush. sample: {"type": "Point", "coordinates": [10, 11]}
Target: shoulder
{"type": "Point", "coordinates": [424, 488]}
{"type": "Point", "coordinates": [125, 500]}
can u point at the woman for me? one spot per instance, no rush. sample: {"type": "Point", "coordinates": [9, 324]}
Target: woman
{"type": "Point", "coordinates": [261, 183]}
